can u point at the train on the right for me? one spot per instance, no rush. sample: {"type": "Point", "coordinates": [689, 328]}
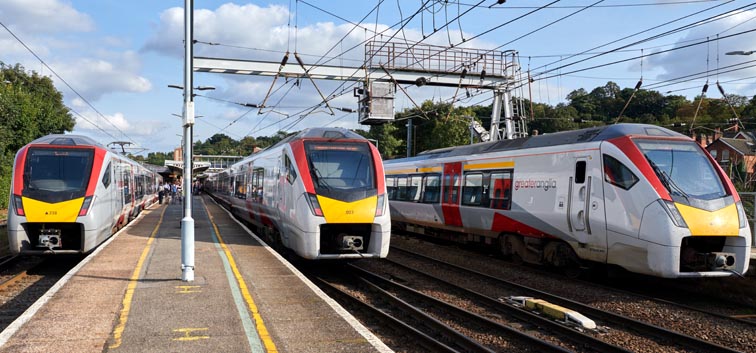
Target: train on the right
{"type": "Point", "coordinates": [641, 197]}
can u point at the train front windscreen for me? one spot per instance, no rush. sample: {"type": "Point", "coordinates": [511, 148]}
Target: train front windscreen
{"type": "Point", "coordinates": [684, 169]}
{"type": "Point", "coordinates": [55, 175]}
{"type": "Point", "coordinates": [344, 168]}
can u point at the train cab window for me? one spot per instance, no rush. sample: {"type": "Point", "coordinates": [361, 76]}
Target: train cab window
{"type": "Point", "coordinates": [580, 172]}
{"type": "Point", "coordinates": [617, 174]}
{"type": "Point", "coordinates": [431, 188]}
{"type": "Point", "coordinates": [415, 185]}
{"type": "Point", "coordinates": [401, 188]}
{"type": "Point", "coordinates": [106, 176]}
{"type": "Point", "coordinates": [54, 175]}
{"type": "Point", "coordinates": [472, 191]}
{"type": "Point", "coordinates": [391, 187]}
{"type": "Point", "coordinates": [501, 190]}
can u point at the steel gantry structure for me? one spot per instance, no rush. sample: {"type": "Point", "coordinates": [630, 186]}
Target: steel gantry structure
{"type": "Point", "coordinates": [402, 63]}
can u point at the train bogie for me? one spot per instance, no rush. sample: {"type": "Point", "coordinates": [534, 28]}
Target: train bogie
{"type": "Point", "coordinates": [636, 196]}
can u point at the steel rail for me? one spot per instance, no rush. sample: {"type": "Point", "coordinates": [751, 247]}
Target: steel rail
{"type": "Point", "coordinates": [425, 340]}
{"type": "Point", "coordinates": [658, 332]}
{"type": "Point", "coordinates": [542, 345]}
{"type": "Point", "coordinates": [577, 337]}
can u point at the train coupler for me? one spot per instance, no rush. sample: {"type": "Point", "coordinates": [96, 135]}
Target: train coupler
{"type": "Point", "coordinates": [49, 238]}
{"type": "Point", "coordinates": [713, 261]}
{"type": "Point", "coordinates": [351, 242]}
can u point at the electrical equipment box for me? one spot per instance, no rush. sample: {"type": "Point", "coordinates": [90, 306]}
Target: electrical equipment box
{"type": "Point", "coordinates": [376, 103]}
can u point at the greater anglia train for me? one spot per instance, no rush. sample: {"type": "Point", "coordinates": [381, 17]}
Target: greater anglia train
{"type": "Point", "coordinates": [641, 197]}
{"type": "Point", "coordinates": [320, 193]}
{"type": "Point", "coordinates": [69, 194]}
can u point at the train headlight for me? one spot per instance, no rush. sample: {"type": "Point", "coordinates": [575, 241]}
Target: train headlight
{"type": "Point", "coordinates": [741, 214]}
{"type": "Point", "coordinates": [379, 206]}
{"type": "Point", "coordinates": [673, 213]}
{"type": "Point", "coordinates": [85, 206]}
{"type": "Point", "coordinates": [18, 205]}
{"type": "Point", "coordinates": [312, 200]}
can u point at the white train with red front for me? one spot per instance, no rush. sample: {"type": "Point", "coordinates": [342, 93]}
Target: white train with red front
{"type": "Point", "coordinates": [69, 194]}
{"type": "Point", "coordinates": [641, 197]}
{"type": "Point", "coordinates": [320, 193]}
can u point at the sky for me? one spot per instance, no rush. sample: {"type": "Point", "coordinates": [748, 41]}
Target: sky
{"type": "Point", "coordinates": [113, 60]}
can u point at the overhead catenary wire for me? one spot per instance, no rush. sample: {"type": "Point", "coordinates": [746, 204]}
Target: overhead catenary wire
{"type": "Point", "coordinates": [72, 89]}
{"type": "Point", "coordinates": [669, 32]}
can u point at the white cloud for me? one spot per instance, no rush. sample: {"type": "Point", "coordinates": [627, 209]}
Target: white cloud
{"type": "Point", "coordinates": [116, 126]}
{"type": "Point", "coordinates": [693, 59]}
{"type": "Point", "coordinates": [44, 16]}
{"type": "Point", "coordinates": [93, 78]}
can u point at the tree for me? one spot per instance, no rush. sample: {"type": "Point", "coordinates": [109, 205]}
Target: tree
{"type": "Point", "coordinates": [30, 107]}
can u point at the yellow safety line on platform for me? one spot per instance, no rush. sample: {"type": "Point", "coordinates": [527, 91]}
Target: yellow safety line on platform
{"type": "Point", "coordinates": [260, 325]}
{"type": "Point", "coordinates": [124, 316]}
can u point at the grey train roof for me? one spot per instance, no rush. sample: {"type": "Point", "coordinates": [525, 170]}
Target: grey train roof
{"type": "Point", "coordinates": [67, 140]}
{"type": "Point", "coordinates": [333, 133]}
{"type": "Point", "coordinates": [599, 133]}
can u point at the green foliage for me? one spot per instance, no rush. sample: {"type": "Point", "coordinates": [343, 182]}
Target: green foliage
{"type": "Point", "coordinates": [30, 107]}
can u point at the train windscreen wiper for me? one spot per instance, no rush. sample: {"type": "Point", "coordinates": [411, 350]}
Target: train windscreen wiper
{"type": "Point", "coordinates": [667, 181]}
{"type": "Point", "coordinates": [318, 178]}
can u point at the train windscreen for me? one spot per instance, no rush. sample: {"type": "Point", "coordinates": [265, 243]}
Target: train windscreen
{"type": "Point", "coordinates": [55, 175]}
{"type": "Point", "coordinates": [684, 169]}
{"type": "Point", "coordinates": [340, 167]}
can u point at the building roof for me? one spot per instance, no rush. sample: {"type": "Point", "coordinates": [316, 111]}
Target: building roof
{"type": "Point", "coordinates": [744, 147]}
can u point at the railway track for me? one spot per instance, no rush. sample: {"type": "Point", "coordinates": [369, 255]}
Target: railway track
{"type": "Point", "coordinates": [25, 281]}
{"type": "Point", "coordinates": [623, 329]}
{"type": "Point", "coordinates": [709, 324]}
{"type": "Point", "coordinates": [435, 324]}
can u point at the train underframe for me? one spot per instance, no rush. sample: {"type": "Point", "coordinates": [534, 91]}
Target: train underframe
{"type": "Point", "coordinates": [539, 251]}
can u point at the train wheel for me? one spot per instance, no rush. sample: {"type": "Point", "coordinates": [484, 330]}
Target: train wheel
{"type": "Point", "coordinates": [511, 246]}
{"type": "Point", "coordinates": [569, 262]}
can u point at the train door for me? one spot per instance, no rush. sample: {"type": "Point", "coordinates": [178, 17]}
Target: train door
{"type": "Point", "coordinates": [450, 194]}
{"type": "Point", "coordinates": [586, 209]}
{"type": "Point", "coordinates": [110, 194]}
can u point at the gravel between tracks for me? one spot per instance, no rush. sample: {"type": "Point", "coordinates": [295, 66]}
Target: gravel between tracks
{"type": "Point", "coordinates": [725, 332]}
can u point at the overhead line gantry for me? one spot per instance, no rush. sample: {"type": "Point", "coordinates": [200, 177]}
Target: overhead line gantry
{"type": "Point", "coordinates": [388, 64]}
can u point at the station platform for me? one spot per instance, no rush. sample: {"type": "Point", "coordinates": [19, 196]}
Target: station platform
{"type": "Point", "coordinates": [128, 296]}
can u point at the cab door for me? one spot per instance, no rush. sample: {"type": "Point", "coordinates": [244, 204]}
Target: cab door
{"type": "Point", "coordinates": [578, 191]}
{"type": "Point", "coordinates": [450, 186]}
{"type": "Point", "coordinates": [586, 208]}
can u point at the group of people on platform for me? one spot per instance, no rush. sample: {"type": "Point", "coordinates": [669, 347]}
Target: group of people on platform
{"type": "Point", "coordinates": [175, 191]}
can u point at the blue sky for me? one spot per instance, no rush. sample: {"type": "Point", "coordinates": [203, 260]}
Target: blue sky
{"type": "Point", "coordinates": [121, 55]}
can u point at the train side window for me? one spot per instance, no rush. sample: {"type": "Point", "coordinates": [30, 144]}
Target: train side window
{"type": "Point", "coordinates": [501, 190]}
{"type": "Point", "coordinates": [401, 188]}
{"type": "Point", "coordinates": [415, 184]}
{"type": "Point", "coordinates": [291, 173]}
{"type": "Point", "coordinates": [391, 187]}
{"type": "Point", "coordinates": [617, 174]}
{"type": "Point", "coordinates": [431, 188]}
{"type": "Point", "coordinates": [580, 172]}
{"type": "Point", "coordinates": [472, 191]}
{"type": "Point", "coordinates": [107, 177]}
{"type": "Point", "coordinates": [240, 185]}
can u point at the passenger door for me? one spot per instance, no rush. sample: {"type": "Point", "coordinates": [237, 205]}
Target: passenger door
{"type": "Point", "coordinates": [451, 182]}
